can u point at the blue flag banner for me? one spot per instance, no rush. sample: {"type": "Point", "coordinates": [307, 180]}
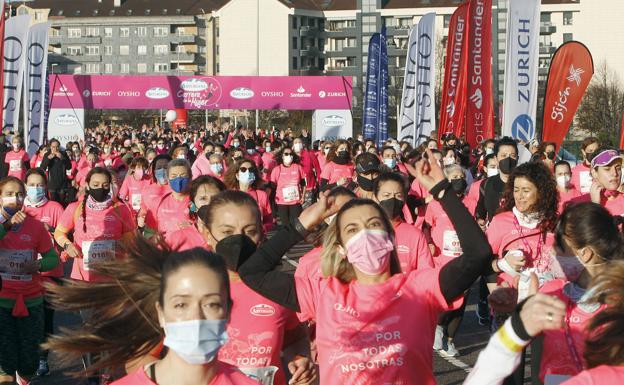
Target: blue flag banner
{"type": "Point", "coordinates": [375, 119]}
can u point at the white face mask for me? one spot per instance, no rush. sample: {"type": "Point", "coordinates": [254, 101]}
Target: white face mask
{"type": "Point", "coordinates": [198, 341]}
{"type": "Point", "coordinates": [566, 267]}
{"type": "Point", "coordinates": [489, 151]}
{"type": "Point", "coordinates": [288, 159]}
{"type": "Point", "coordinates": [298, 147]}
{"type": "Point", "coordinates": [563, 180]}
{"type": "Point", "coordinates": [491, 172]}
{"type": "Point", "coordinates": [181, 156]}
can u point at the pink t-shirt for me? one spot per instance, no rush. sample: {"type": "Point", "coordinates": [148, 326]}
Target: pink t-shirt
{"type": "Point", "coordinates": [49, 214]}
{"type": "Point", "coordinates": [131, 190]}
{"type": "Point", "coordinates": [19, 246]}
{"type": "Point", "coordinates": [582, 178]}
{"type": "Point", "coordinates": [375, 334]}
{"type": "Point", "coordinates": [600, 375]}
{"type": "Point", "coordinates": [112, 161]}
{"type": "Point", "coordinates": [185, 239]}
{"type": "Point", "coordinates": [256, 157]}
{"type": "Point", "coordinates": [473, 192]}
{"type": "Point", "coordinates": [557, 355]}
{"type": "Point", "coordinates": [99, 242]}
{"type": "Point", "coordinates": [268, 160]}
{"type": "Point", "coordinates": [288, 182]}
{"type": "Point", "coordinates": [565, 197]}
{"type": "Point", "coordinates": [262, 199]}
{"type": "Point", "coordinates": [15, 163]}
{"type": "Point", "coordinates": [443, 232]}
{"type": "Point", "coordinates": [201, 166]}
{"type": "Point", "coordinates": [226, 375]}
{"type": "Point", "coordinates": [256, 331]}
{"type": "Point", "coordinates": [309, 266]}
{"type": "Point", "coordinates": [333, 172]}
{"type": "Point", "coordinates": [505, 234]}
{"type": "Point", "coordinates": [172, 214]}
{"type": "Point", "coordinates": [322, 160]}
{"type": "Point", "coordinates": [412, 248]}
{"type": "Point", "coordinates": [150, 197]}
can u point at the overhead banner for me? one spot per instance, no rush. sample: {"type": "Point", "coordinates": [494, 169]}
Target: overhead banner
{"type": "Point", "coordinates": [571, 70]}
{"type": "Point", "coordinates": [521, 62]}
{"type": "Point", "coordinates": [15, 43]}
{"type": "Point", "coordinates": [200, 92]}
{"type": "Point", "coordinates": [452, 116]}
{"type": "Point", "coordinates": [66, 125]}
{"type": "Point", "coordinates": [34, 87]}
{"type": "Point", "coordinates": [417, 119]}
{"type": "Point", "coordinates": [375, 122]}
{"type": "Point", "coordinates": [332, 125]}
{"type": "Point", "coordinates": [480, 103]}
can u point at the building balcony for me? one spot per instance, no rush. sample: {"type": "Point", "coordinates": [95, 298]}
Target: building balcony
{"type": "Point", "coordinates": [182, 38]}
{"type": "Point", "coordinates": [394, 51]}
{"type": "Point", "coordinates": [402, 30]}
{"type": "Point", "coordinates": [182, 57]}
{"type": "Point", "coordinates": [344, 71]}
{"type": "Point", "coordinates": [308, 31]}
{"type": "Point", "coordinates": [344, 52]}
{"type": "Point", "coordinates": [339, 32]}
{"type": "Point", "coordinates": [547, 28]}
{"type": "Point", "coordinates": [55, 40]}
{"type": "Point", "coordinates": [547, 50]}
{"type": "Point", "coordinates": [310, 51]}
{"type": "Point", "coordinates": [308, 71]}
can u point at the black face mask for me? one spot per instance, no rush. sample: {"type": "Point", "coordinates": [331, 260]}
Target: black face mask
{"type": "Point", "coordinates": [99, 194]}
{"type": "Point", "coordinates": [507, 165]}
{"type": "Point", "coordinates": [393, 207]}
{"type": "Point", "coordinates": [551, 155]}
{"type": "Point", "coordinates": [459, 186]}
{"type": "Point", "coordinates": [366, 184]}
{"type": "Point", "coordinates": [235, 250]}
{"type": "Point", "coordinates": [342, 157]}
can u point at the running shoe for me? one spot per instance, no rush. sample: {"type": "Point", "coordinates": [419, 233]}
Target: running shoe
{"type": "Point", "coordinates": [451, 351]}
{"type": "Point", "coordinates": [43, 369]}
{"type": "Point", "coordinates": [439, 338]}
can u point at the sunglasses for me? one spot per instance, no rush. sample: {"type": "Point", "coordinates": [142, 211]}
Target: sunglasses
{"type": "Point", "coordinates": [245, 169]}
{"type": "Point", "coordinates": [287, 153]}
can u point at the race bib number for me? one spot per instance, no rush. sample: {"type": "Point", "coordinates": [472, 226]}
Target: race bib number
{"type": "Point", "coordinates": [15, 165]}
{"type": "Point", "coordinates": [135, 200]}
{"type": "Point", "coordinates": [291, 194]}
{"type": "Point", "coordinates": [96, 252]}
{"type": "Point", "coordinates": [450, 244]}
{"type": "Point", "coordinates": [108, 162]}
{"type": "Point", "coordinates": [263, 375]}
{"type": "Point", "coordinates": [586, 181]}
{"type": "Point", "coordinates": [12, 265]}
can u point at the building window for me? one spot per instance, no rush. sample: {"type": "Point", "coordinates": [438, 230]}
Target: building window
{"type": "Point", "coordinates": [124, 68]}
{"type": "Point", "coordinates": [124, 50]}
{"type": "Point", "coordinates": [108, 68]}
{"type": "Point", "coordinates": [447, 21]}
{"type": "Point", "coordinates": [294, 22]}
{"type": "Point", "coordinates": [369, 24]}
{"type": "Point", "coordinates": [142, 31]}
{"type": "Point", "coordinates": [141, 68]}
{"type": "Point", "coordinates": [294, 42]}
{"type": "Point", "coordinates": [161, 31]}
{"type": "Point", "coordinates": [567, 37]}
{"type": "Point", "coordinates": [108, 32]}
{"type": "Point", "coordinates": [351, 42]}
{"type": "Point", "coordinates": [294, 62]}
{"type": "Point", "coordinates": [93, 50]}
{"type": "Point", "coordinates": [124, 32]}
{"type": "Point", "coordinates": [369, 5]}
{"type": "Point", "coordinates": [92, 31]}
{"type": "Point", "coordinates": [568, 18]}
{"type": "Point", "coordinates": [160, 49]}
{"type": "Point", "coordinates": [74, 69]}
{"type": "Point", "coordinates": [73, 32]}
{"type": "Point", "coordinates": [161, 67]}
{"type": "Point", "coordinates": [108, 50]}
{"type": "Point", "coordinates": [93, 68]}
{"type": "Point", "coordinates": [74, 50]}
{"type": "Point", "coordinates": [545, 17]}
{"type": "Point", "coordinates": [142, 50]}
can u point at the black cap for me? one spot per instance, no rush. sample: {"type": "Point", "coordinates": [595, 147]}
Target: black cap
{"type": "Point", "coordinates": [250, 143]}
{"type": "Point", "coordinates": [366, 162]}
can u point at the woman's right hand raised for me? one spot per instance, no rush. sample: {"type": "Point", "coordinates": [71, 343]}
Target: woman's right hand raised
{"type": "Point", "coordinates": [428, 171]}
{"type": "Point", "coordinates": [316, 213]}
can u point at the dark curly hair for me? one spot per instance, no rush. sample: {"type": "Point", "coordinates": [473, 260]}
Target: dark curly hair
{"type": "Point", "coordinates": [548, 196]}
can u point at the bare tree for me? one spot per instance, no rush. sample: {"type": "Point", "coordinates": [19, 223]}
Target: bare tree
{"type": "Point", "coordinates": [600, 113]}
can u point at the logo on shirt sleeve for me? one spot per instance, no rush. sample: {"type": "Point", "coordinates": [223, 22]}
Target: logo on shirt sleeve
{"type": "Point", "coordinates": [262, 310]}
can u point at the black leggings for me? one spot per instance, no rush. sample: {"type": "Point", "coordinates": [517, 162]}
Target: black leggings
{"type": "Point", "coordinates": [288, 213]}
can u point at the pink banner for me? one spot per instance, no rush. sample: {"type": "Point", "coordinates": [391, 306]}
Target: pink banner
{"type": "Point", "coordinates": [201, 92]}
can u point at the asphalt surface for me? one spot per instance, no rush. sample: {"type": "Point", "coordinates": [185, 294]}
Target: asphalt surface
{"type": "Point", "coordinates": [470, 340]}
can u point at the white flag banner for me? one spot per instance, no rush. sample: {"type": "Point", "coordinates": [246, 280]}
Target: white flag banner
{"type": "Point", "coordinates": [407, 122]}
{"type": "Point", "coordinates": [35, 86]}
{"type": "Point", "coordinates": [425, 99]}
{"type": "Point", "coordinates": [66, 125]}
{"type": "Point", "coordinates": [15, 42]}
{"type": "Point", "coordinates": [521, 62]}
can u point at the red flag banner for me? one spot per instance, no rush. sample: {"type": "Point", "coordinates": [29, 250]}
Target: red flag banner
{"type": "Point", "coordinates": [453, 108]}
{"type": "Point", "coordinates": [571, 70]}
{"type": "Point", "coordinates": [622, 133]}
{"type": "Point", "coordinates": [1, 56]}
{"type": "Point", "coordinates": [480, 102]}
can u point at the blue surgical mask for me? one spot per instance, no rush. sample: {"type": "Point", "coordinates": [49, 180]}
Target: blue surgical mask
{"type": "Point", "coordinates": [198, 341]}
{"type": "Point", "coordinates": [216, 168]}
{"type": "Point", "coordinates": [246, 177]}
{"type": "Point", "coordinates": [251, 151]}
{"type": "Point", "coordinates": [193, 207]}
{"type": "Point", "coordinates": [161, 176]}
{"type": "Point", "coordinates": [35, 194]}
{"type": "Point", "coordinates": [391, 163]}
{"type": "Point", "coordinates": [179, 184]}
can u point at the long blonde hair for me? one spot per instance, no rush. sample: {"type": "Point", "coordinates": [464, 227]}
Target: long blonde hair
{"type": "Point", "coordinates": [333, 261]}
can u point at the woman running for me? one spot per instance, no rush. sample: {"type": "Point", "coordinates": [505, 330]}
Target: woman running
{"type": "Point", "coordinates": [244, 176]}
{"type": "Point", "coordinates": [288, 181]}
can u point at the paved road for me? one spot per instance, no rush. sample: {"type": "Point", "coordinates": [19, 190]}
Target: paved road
{"type": "Point", "coordinates": [448, 371]}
